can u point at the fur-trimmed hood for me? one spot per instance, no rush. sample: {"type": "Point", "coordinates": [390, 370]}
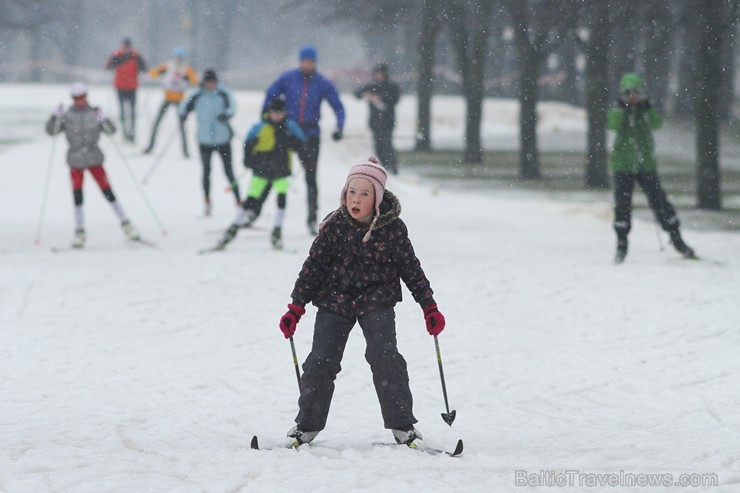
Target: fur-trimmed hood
{"type": "Point", "coordinates": [390, 210]}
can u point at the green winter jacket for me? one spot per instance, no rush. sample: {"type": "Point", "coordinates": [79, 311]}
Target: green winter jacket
{"type": "Point", "coordinates": [634, 148]}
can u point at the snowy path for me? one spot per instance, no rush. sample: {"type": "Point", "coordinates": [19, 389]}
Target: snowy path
{"type": "Point", "coordinates": [126, 368]}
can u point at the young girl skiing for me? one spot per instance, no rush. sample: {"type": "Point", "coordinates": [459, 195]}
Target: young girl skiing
{"type": "Point", "coordinates": [352, 274]}
{"type": "Point", "coordinates": [82, 125]}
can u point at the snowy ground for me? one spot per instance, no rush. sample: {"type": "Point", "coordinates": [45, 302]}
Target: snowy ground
{"type": "Point", "coordinates": [125, 368]}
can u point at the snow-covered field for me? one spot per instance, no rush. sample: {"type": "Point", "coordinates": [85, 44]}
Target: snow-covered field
{"type": "Point", "coordinates": [125, 368]}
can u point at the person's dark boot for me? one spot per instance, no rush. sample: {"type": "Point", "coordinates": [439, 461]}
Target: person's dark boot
{"type": "Point", "coordinates": [277, 238]}
{"type": "Point", "coordinates": [621, 250]}
{"type": "Point", "coordinates": [229, 235]}
{"type": "Point", "coordinates": [680, 246]}
{"type": "Point", "coordinates": [301, 436]}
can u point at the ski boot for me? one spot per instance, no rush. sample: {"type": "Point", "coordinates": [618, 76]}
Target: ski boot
{"type": "Point", "coordinates": [277, 239]}
{"type": "Point", "coordinates": [301, 436]}
{"type": "Point", "coordinates": [79, 239]}
{"type": "Point", "coordinates": [227, 237]}
{"type": "Point", "coordinates": [130, 231]}
{"type": "Point", "coordinates": [680, 246]}
{"type": "Point", "coordinates": [407, 435]}
{"type": "Point", "coordinates": [621, 250]}
{"type": "Point", "coordinates": [207, 209]}
{"type": "Point", "coordinates": [312, 228]}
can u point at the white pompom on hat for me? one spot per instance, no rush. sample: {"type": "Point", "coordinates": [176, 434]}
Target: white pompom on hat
{"type": "Point", "coordinates": [78, 89]}
{"type": "Point", "coordinates": [373, 171]}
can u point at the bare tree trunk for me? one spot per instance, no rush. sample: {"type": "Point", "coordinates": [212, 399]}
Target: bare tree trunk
{"type": "Point", "coordinates": [536, 33]}
{"type": "Point", "coordinates": [568, 89]}
{"type": "Point", "coordinates": [597, 96]}
{"type": "Point", "coordinates": [687, 52]}
{"type": "Point", "coordinates": [476, 73]}
{"type": "Point", "coordinates": [716, 22]}
{"type": "Point", "coordinates": [727, 91]}
{"type": "Point", "coordinates": [469, 38]}
{"type": "Point", "coordinates": [626, 22]}
{"type": "Point", "coordinates": [425, 81]}
{"type": "Point", "coordinates": [528, 96]}
{"type": "Point", "coordinates": [657, 56]}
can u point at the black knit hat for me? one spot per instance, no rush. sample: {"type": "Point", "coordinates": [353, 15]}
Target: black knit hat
{"type": "Point", "coordinates": [210, 76]}
{"type": "Point", "coordinates": [276, 104]}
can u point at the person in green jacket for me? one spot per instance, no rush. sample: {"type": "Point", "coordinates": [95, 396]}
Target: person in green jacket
{"type": "Point", "coordinates": [633, 160]}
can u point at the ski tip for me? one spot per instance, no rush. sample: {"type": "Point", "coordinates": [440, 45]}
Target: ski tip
{"type": "Point", "coordinates": [254, 444]}
{"type": "Point", "coordinates": [458, 449]}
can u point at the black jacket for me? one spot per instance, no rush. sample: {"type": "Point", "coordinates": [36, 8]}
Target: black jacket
{"type": "Point", "coordinates": [382, 118]}
{"type": "Point", "coordinates": [347, 277]}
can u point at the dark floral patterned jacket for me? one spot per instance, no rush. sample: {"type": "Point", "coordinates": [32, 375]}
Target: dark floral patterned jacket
{"type": "Point", "coordinates": [347, 277]}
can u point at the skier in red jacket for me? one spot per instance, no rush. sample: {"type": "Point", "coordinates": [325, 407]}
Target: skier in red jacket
{"type": "Point", "coordinates": [127, 64]}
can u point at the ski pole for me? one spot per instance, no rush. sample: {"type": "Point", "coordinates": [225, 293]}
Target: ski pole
{"type": "Point", "coordinates": [449, 416]}
{"type": "Point", "coordinates": [159, 157]}
{"type": "Point", "coordinates": [295, 363]}
{"type": "Point", "coordinates": [139, 188]}
{"type": "Point", "coordinates": [42, 213]}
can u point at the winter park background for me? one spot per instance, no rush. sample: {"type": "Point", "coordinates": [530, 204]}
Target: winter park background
{"type": "Point", "coordinates": [128, 368]}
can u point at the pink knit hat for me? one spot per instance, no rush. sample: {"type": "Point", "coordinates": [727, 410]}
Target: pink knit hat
{"type": "Point", "coordinates": [375, 172]}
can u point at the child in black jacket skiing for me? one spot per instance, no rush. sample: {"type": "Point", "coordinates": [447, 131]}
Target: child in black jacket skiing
{"type": "Point", "coordinates": [352, 274]}
{"type": "Point", "coordinates": [267, 150]}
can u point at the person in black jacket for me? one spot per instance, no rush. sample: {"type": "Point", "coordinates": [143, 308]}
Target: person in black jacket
{"type": "Point", "coordinates": [353, 274]}
{"type": "Point", "coordinates": [268, 151]}
{"type": "Point", "coordinates": [382, 96]}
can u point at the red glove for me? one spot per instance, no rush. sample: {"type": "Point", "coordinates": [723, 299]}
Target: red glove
{"type": "Point", "coordinates": [434, 319]}
{"type": "Point", "coordinates": [289, 321]}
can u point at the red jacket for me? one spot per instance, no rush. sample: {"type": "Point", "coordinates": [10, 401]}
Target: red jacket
{"type": "Point", "coordinates": [127, 63]}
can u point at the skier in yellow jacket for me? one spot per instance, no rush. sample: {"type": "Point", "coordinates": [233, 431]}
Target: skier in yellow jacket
{"type": "Point", "coordinates": [176, 76]}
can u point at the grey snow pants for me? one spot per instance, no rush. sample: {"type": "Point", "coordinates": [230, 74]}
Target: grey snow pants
{"type": "Point", "coordinates": [322, 365]}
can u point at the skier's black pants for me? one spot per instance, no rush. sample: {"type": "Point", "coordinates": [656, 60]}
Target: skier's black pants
{"type": "Point", "coordinates": [127, 103]}
{"type": "Point", "coordinates": [322, 365]}
{"type": "Point", "coordinates": [309, 156]}
{"type": "Point", "coordinates": [624, 184]}
{"type": "Point", "coordinates": [162, 110]}
{"type": "Point", "coordinates": [383, 139]}
{"type": "Point", "coordinates": [224, 151]}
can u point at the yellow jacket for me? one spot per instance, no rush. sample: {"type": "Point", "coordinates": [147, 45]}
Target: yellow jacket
{"type": "Point", "coordinates": [175, 79]}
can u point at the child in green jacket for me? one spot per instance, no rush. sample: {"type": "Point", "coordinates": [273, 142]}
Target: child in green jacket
{"type": "Point", "coordinates": [633, 160]}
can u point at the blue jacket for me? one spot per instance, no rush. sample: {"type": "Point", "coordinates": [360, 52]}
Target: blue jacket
{"type": "Point", "coordinates": [303, 97]}
{"type": "Point", "coordinates": [213, 110]}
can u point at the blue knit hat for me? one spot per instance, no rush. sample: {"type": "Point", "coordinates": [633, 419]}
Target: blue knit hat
{"type": "Point", "coordinates": [179, 52]}
{"type": "Point", "coordinates": [308, 52]}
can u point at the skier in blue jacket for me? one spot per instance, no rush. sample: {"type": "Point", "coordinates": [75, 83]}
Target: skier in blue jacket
{"type": "Point", "coordinates": [214, 105]}
{"type": "Point", "coordinates": [303, 89]}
